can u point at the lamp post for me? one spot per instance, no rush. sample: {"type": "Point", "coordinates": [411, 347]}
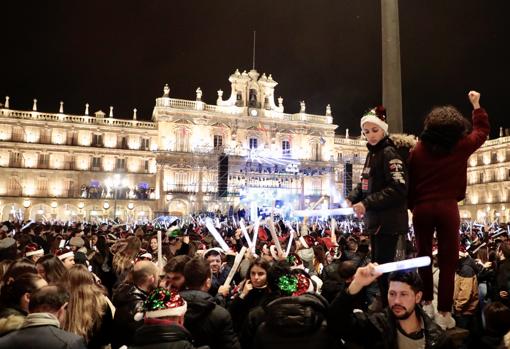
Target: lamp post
{"type": "Point", "coordinates": [116, 182]}
{"type": "Point", "coordinates": [26, 205]}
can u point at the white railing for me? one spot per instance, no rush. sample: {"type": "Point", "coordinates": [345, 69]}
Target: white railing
{"type": "Point", "coordinates": [77, 119]}
{"type": "Point", "coordinates": [349, 141]}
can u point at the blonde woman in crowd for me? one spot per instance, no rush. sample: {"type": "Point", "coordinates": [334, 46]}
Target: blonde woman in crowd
{"type": "Point", "coordinates": [89, 312]}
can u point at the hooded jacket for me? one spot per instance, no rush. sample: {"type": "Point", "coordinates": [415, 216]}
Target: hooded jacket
{"type": "Point", "coordinates": [208, 323]}
{"type": "Point", "coordinates": [383, 189]}
{"type": "Point", "coordinates": [294, 322]}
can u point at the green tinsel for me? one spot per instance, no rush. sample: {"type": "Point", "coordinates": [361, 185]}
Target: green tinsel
{"type": "Point", "coordinates": [287, 284]}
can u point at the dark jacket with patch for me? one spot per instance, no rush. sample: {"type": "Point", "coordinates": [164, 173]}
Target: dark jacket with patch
{"type": "Point", "coordinates": [383, 189]}
{"type": "Point", "coordinates": [377, 330]}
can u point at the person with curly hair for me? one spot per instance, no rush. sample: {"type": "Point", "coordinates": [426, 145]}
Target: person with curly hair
{"type": "Point", "coordinates": [438, 177]}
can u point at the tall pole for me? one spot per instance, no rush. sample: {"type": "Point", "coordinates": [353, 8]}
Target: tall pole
{"type": "Point", "coordinates": [391, 78]}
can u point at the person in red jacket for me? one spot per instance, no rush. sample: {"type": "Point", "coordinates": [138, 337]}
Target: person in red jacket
{"type": "Point", "coordinates": [437, 181]}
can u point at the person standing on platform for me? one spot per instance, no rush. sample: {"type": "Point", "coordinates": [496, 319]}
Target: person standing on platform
{"type": "Point", "coordinates": [380, 197]}
{"type": "Point", "coordinates": [438, 176]}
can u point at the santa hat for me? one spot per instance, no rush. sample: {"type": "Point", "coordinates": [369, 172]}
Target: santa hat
{"type": "Point", "coordinates": [32, 249]}
{"type": "Point", "coordinates": [63, 253]}
{"type": "Point", "coordinates": [295, 285]}
{"type": "Point", "coordinates": [376, 116]}
{"type": "Point", "coordinates": [307, 241]}
{"type": "Point", "coordinates": [163, 303]}
{"type": "Point", "coordinates": [143, 255]}
{"type": "Point", "coordinates": [295, 261]}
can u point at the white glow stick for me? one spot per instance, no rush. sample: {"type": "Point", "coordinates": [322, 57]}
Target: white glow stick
{"type": "Point", "coordinates": [237, 262]}
{"type": "Point", "coordinates": [289, 244]}
{"type": "Point", "coordinates": [210, 226]}
{"type": "Point", "coordinates": [245, 233]}
{"type": "Point", "coordinates": [272, 230]}
{"type": "Point", "coordinates": [328, 212]}
{"type": "Point", "coordinates": [255, 232]}
{"type": "Point", "coordinates": [26, 225]}
{"type": "Point", "coordinates": [160, 251]}
{"type": "Point", "coordinates": [479, 247]}
{"type": "Point", "coordinates": [403, 265]}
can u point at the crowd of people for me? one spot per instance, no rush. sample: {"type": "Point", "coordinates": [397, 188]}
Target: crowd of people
{"type": "Point", "coordinates": [105, 285]}
{"type": "Point", "coordinates": [218, 282]}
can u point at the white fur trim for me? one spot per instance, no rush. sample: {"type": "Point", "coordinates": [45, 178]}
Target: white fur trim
{"type": "Point", "coordinates": [375, 120]}
{"type": "Point", "coordinates": [179, 311]}
{"type": "Point", "coordinates": [66, 255]}
{"type": "Point", "coordinates": [37, 252]}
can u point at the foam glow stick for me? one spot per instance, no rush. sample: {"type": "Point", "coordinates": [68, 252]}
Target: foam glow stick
{"type": "Point", "coordinates": [328, 212]}
{"type": "Point", "coordinates": [289, 244]}
{"type": "Point", "coordinates": [403, 265]}
{"type": "Point", "coordinates": [237, 262]}
{"type": "Point", "coordinates": [255, 233]}
{"type": "Point", "coordinates": [160, 251]}
{"type": "Point", "coordinates": [272, 230]}
{"type": "Point", "coordinates": [245, 233]}
{"type": "Point", "coordinates": [479, 247]}
{"type": "Point", "coordinates": [210, 226]}
{"type": "Point", "coordinates": [26, 225]}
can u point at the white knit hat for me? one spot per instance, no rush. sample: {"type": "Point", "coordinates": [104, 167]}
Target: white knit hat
{"type": "Point", "coordinates": [376, 116]}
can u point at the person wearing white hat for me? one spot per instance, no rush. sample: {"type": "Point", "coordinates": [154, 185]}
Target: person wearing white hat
{"type": "Point", "coordinates": [380, 197]}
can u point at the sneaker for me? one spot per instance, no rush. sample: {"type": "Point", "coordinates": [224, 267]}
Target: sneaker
{"type": "Point", "coordinates": [429, 310]}
{"type": "Point", "coordinates": [445, 321]}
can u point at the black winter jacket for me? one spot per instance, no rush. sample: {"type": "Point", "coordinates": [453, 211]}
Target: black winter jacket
{"type": "Point", "coordinates": [208, 323]}
{"type": "Point", "coordinates": [295, 322]}
{"type": "Point", "coordinates": [128, 300]}
{"type": "Point", "coordinates": [377, 330]}
{"type": "Point", "coordinates": [163, 337]}
{"type": "Point", "coordinates": [383, 189]}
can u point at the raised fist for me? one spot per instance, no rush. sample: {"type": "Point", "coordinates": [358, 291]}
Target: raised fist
{"type": "Point", "coordinates": [474, 98]}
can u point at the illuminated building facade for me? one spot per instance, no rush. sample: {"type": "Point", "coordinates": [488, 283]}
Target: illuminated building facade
{"type": "Point", "coordinates": [191, 157]}
{"type": "Point", "coordinates": [488, 175]}
{"type": "Point", "coordinates": [195, 157]}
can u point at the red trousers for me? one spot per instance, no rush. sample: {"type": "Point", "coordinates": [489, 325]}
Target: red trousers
{"type": "Point", "coordinates": [443, 218]}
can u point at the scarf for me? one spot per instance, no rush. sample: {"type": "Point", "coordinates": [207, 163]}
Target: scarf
{"type": "Point", "coordinates": [40, 319]}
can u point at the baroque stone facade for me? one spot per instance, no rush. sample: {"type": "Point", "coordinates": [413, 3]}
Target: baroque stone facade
{"type": "Point", "coordinates": [195, 157]}
{"type": "Point", "coordinates": [191, 157]}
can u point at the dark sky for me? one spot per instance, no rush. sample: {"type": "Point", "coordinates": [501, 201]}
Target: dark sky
{"type": "Point", "coordinates": [121, 53]}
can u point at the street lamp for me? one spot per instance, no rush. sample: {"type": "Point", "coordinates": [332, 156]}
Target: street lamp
{"type": "Point", "coordinates": [116, 182]}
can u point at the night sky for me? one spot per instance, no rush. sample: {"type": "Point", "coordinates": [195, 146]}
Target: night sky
{"type": "Point", "coordinates": [121, 53]}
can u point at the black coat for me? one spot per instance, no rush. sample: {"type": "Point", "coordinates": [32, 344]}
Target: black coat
{"type": "Point", "coordinates": [42, 337]}
{"type": "Point", "coordinates": [208, 323]}
{"type": "Point", "coordinates": [128, 300]}
{"type": "Point", "coordinates": [383, 189]}
{"type": "Point", "coordinates": [162, 337]}
{"type": "Point", "coordinates": [377, 330]}
{"type": "Point", "coordinates": [295, 322]}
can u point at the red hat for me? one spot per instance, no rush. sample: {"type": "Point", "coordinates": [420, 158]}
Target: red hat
{"type": "Point", "coordinates": [33, 249]}
{"type": "Point", "coordinates": [163, 303]}
{"type": "Point", "coordinates": [328, 243]}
